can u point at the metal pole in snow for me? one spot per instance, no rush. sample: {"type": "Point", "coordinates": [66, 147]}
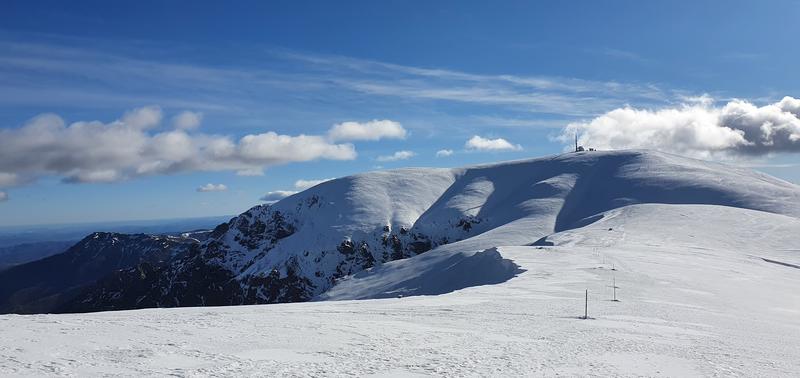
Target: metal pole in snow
{"type": "Point", "coordinates": [615, 288]}
{"type": "Point", "coordinates": [586, 306]}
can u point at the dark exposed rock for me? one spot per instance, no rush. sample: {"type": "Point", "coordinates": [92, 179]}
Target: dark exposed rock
{"type": "Point", "coordinates": [467, 223]}
{"type": "Point", "coordinates": [420, 246]}
{"type": "Point", "coordinates": [357, 258]}
{"type": "Point", "coordinates": [220, 230]}
{"type": "Point", "coordinates": [253, 231]}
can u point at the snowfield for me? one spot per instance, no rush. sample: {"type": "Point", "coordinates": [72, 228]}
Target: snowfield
{"type": "Point", "coordinates": [705, 259]}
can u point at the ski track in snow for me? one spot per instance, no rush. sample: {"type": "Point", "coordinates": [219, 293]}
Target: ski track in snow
{"type": "Point", "coordinates": [696, 299]}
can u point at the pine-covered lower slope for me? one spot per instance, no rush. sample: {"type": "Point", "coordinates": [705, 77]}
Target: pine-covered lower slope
{"type": "Point", "coordinates": [298, 248]}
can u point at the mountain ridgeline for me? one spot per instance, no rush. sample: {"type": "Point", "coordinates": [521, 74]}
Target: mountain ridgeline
{"type": "Point", "coordinates": [302, 246]}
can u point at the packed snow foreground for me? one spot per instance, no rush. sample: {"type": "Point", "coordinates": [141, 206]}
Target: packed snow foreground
{"type": "Point", "coordinates": [489, 277]}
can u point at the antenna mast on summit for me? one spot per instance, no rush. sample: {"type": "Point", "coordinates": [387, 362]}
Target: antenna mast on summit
{"type": "Point", "coordinates": [576, 141]}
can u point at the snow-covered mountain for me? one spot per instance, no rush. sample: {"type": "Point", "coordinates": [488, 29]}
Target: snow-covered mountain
{"type": "Point", "coordinates": [701, 258]}
{"type": "Point", "coordinates": [343, 232]}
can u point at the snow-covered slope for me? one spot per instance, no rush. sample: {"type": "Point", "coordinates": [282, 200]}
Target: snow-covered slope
{"type": "Point", "coordinates": [703, 290]}
{"type": "Point", "coordinates": [299, 247]}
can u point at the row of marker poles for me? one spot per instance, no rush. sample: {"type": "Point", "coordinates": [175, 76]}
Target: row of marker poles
{"type": "Point", "coordinates": [613, 286]}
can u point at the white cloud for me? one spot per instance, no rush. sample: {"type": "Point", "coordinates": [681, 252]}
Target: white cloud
{"type": "Point", "coordinates": [372, 130]}
{"type": "Point", "coordinates": [142, 118]}
{"type": "Point", "coordinates": [212, 188]}
{"type": "Point", "coordinates": [250, 172]}
{"type": "Point", "coordinates": [305, 184]}
{"type": "Point", "coordinates": [7, 179]}
{"type": "Point", "coordinates": [272, 148]}
{"type": "Point", "coordinates": [105, 152]}
{"type": "Point", "coordinates": [277, 195]}
{"type": "Point", "coordinates": [485, 144]}
{"type": "Point", "coordinates": [300, 185]}
{"type": "Point", "coordinates": [697, 128]}
{"type": "Point", "coordinates": [444, 153]}
{"type": "Point", "coordinates": [98, 176]}
{"type": "Point", "coordinates": [187, 120]}
{"type": "Point", "coordinates": [3, 196]}
{"type": "Point", "coordinates": [399, 155]}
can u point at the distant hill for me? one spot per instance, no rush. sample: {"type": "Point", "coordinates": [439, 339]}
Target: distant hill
{"type": "Point", "coordinates": [15, 235]}
{"type": "Point", "coordinates": [27, 252]}
{"type": "Point", "coordinates": [45, 285]}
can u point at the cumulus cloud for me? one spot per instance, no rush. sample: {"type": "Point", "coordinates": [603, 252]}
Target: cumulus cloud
{"type": "Point", "coordinates": [142, 118]}
{"type": "Point", "coordinates": [697, 128]}
{"type": "Point", "coordinates": [372, 130]}
{"type": "Point", "coordinates": [277, 195]}
{"type": "Point", "coordinates": [187, 120]}
{"type": "Point", "coordinates": [300, 185]}
{"type": "Point", "coordinates": [305, 184]}
{"type": "Point", "coordinates": [479, 143]}
{"type": "Point", "coordinates": [3, 196]}
{"type": "Point", "coordinates": [444, 153]}
{"type": "Point", "coordinates": [399, 155]}
{"type": "Point", "coordinates": [212, 188]}
{"type": "Point", "coordinates": [104, 152]}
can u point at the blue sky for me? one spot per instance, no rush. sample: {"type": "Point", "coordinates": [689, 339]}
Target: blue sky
{"type": "Point", "coordinates": [405, 80]}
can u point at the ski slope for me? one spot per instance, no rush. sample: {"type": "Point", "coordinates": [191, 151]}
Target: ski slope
{"type": "Point", "coordinates": [696, 298]}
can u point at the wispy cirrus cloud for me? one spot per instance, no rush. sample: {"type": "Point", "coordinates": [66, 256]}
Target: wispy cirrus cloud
{"type": "Point", "coordinates": [45, 74]}
{"type": "Point", "coordinates": [212, 188]}
{"type": "Point", "coordinates": [618, 54]}
{"type": "Point", "coordinates": [556, 95]}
